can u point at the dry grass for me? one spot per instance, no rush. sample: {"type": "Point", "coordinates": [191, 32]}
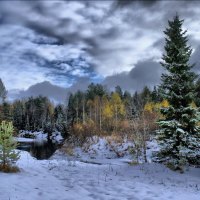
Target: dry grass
{"type": "Point", "coordinates": [9, 168]}
{"type": "Point", "coordinates": [116, 137]}
{"type": "Point", "coordinates": [68, 149]}
{"type": "Point", "coordinates": [115, 140]}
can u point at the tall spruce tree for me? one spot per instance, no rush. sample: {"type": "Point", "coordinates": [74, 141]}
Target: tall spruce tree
{"type": "Point", "coordinates": [178, 136]}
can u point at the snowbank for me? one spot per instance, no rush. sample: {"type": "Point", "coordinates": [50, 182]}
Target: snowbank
{"type": "Point", "coordinates": [102, 148]}
{"type": "Point", "coordinates": [39, 136]}
{"type": "Point", "coordinates": [26, 140]}
{"type": "Point", "coordinates": [56, 137]}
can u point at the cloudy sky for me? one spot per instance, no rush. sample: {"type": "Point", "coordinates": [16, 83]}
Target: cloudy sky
{"type": "Point", "coordinates": [52, 47]}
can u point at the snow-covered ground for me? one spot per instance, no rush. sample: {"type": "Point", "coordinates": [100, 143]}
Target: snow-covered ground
{"type": "Point", "coordinates": [87, 178]}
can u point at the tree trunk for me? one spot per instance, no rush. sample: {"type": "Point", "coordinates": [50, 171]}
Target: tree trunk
{"type": "Point", "coordinates": [83, 111]}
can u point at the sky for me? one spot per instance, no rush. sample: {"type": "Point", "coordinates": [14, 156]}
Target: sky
{"type": "Point", "coordinates": [54, 47]}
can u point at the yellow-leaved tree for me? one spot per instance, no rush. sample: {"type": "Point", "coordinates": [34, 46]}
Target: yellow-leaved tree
{"type": "Point", "coordinates": [117, 107]}
{"type": "Point", "coordinates": [107, 112]}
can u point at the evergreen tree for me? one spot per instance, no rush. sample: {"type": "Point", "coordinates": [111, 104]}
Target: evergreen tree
{"type": "Point", "coordinates": [197, 100]}
{"type": "Point", "coordinates": [118, 90]}
{"type": "Point", "coordinates": [154, 95]}
{"type": "Point", "coordinates": [8, 156]}
{"type": "Point", "coordinates": [145, 95]}
{"type": "Point", "coordinates": [71, 110]}
{"type": "Point", "coordinates": [60, 118]}
{"type": "Point", "coordinates": [6, 111]}
{"type": "Point", "coordinates": [128, 102]}
{"type": "Point", "coordinates": [38, 114]}
{"type": "Point", "coordinates": [3, 92]}
{"type": "Point", "coordinates": [95, 90]}
{"type": "Point", "coordinates": [179, 134]}
{"type": "Point", "coordinates": [19, 115]}
{"type": "Point", "coordinates": [137, 105]}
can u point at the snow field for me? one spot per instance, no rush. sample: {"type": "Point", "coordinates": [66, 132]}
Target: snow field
{"type": "Point", "coordinates": [85, 176]}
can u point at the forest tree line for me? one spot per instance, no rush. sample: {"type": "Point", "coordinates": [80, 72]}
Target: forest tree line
{"type": "Point", "coordinates": [94, 111]}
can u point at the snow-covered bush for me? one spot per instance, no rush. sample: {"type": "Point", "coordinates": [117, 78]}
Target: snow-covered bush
{"type": "Point", "coordinates": [56, 137]}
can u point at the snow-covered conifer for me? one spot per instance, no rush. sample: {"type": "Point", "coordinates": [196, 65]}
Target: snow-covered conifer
{"type": "Point", "coordinates": [179, 135]}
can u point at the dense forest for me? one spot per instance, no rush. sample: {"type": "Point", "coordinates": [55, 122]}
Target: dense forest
{"type": "Point", "coordinates": [95, 109]}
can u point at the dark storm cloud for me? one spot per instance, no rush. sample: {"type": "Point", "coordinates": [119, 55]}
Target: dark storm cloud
{"type": "Point", "coordinates": [138, 12]}
{"type": "Point", "coordinates": [50, 24]}
{"type": "Point", "coordinates": [154, 14]}
{"type": "Point", "coordinates": [40, 18]}
{"type": "Point", "coordinates": [127, 3]}
{"type": "Point", "coordinates": [145, 73]}
{"type": "Point", "coordinates": [80, 84]}
{"type": "Point", "coordinates": [44, 17]}
{"type": "Point", "coordinates": [62, 37]}
{"type": "Point", "coordinates": [111, 33]}
{"type": "Point", "coordinates": [159, 44]}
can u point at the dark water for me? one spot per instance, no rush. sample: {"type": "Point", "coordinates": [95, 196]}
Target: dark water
{"type": "Point", "coordinates": [40, 150]}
